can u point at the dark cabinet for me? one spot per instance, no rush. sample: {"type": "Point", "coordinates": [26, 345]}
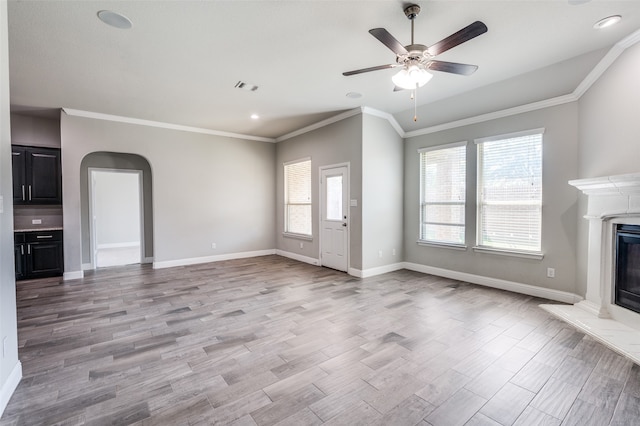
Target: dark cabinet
{"type": "Point", "coordinates": [38, 254]}
{"type": "Point", "coordinates": [37, 175]}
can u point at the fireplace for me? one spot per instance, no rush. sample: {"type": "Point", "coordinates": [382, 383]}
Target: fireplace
{"type": "Point", "coordinates": [627, 267]}
{"type": "Point", "coordinates": [610, 312]}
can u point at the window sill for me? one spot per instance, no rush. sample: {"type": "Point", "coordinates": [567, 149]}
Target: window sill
{"type": "Point", "coordinates": [513, 253]}
{"type": "Point", "coordinates": [450, 246]}
{"type": "Point", "coordinates": [298, 236]}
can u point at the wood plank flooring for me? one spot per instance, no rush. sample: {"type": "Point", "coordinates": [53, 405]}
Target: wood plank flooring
{"type": "Point", "coordinates": [271, 341]}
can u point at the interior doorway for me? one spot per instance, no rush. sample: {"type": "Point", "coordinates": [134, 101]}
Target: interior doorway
{"type": "Point", "coordinates": [116, 217]}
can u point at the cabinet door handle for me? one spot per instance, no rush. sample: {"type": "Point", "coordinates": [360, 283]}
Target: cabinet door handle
{"type": "Point", "coordinates": [29, 192]}
{"type": "Point", "coordinates": [22, 249]}
{"type": "Point", "coordinates": [44, 236]}
{"type": "Point", "coordinates": [23, 199]}
{"type": "Point", "coordinates": [28, 248]}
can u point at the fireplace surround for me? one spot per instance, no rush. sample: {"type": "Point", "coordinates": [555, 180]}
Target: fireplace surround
{"type": "Point", "coordinates": [613, 209]}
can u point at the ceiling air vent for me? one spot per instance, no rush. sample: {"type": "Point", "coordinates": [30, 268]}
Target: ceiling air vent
{"type": "Point", "coordinates": [246, 86]}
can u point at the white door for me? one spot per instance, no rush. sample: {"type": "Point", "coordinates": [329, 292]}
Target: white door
{"type": "Point", "coordinates": [334, 221]}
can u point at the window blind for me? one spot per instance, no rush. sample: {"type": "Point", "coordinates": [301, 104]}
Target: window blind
{"type": "Point", "coordinates": [510, 192]}
{"type": "Point", "coordinates": [443, 187]}
{"type": "Point", "coordinates": [298, 197]}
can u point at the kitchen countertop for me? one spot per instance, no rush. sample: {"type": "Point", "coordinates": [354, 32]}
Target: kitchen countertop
{"type": "Point", "coordinates": [54, 228]}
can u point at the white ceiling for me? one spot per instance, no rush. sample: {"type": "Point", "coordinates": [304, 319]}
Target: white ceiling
{"type": "Point", "coordinates": [181, 60]}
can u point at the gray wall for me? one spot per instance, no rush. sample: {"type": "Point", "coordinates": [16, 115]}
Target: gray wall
{"type": "Point", "coordinates": [333, 144]}
{"type": "Point", "coordinates": [120, 161]}
{"type": "Point", "coordinates": [560, 147]}
{"type": "Point", "coordinates": [382, 193]}
{"type": "Point", "coordinates": [609, 131]}
{"type": "Point", "coordinates": [8, 326]}
{"type": "Point", "coordinates": [206, 188]}
{"type": "Point", "coordinates": [35, 131]}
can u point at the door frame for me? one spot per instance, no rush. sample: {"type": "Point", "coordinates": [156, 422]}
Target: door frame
{"type": "Point", "coordinates": [348, 207]}
{"type": "Point", "coordinates": [92, 227]}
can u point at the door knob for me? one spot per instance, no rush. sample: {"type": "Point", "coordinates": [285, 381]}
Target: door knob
{"type": "Point", "coordinates": [344, 224]}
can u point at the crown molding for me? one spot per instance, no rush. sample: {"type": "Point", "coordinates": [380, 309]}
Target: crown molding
{"type": "Point", "coordinates": [320, 124]}
{"type": "Point", "coordinates": [390, 118]}
{"type": "Point", "coordinates": [159, 124]}
{"type": "Point", "coordinates": [559, 100]}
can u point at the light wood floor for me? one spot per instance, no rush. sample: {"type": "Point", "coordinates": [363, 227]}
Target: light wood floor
{"type": "Point", "coordinates": [270, 341]}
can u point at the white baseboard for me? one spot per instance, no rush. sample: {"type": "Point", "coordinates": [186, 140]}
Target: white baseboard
{"type": "Point", "coordinates": [147, 260]}
{"type": "Point", "coordinates": [531, 290]}
{"type": "Point", "coordinates": [298, 257]}
{"type": "Point", "coordinates": [207, 259]}
{"type": "Point", "coordinates": [379, 270]}
{"type": "Point", "coordinates": [10, 386]}
{"type": "Point", "coordinates": [119, 245]}
{"type": "Point", "coordinates": [87, 266]}
{"type": "Point", "coordinates": [73, 275]}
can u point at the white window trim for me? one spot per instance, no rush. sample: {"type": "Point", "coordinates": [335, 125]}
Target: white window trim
{"type": "Point", "coordinates": [441, 243]}
{"type": "Point", "coordinates": [445, 146]}
{"type": "Point", "coordinates": [306, 237]}
{"type": "Point", "coordinates": [536, 255]}
{"type": "Point", "coordinates": [510, 135]}
{"type": "Point", "coordinates": [452, 246]}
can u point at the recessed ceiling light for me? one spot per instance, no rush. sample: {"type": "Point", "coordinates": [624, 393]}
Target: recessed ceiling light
{"type": "Point", "coordinates": [354, 95]}
{"type": "Point", "coordinates": [115, 19]}
{"type": "Point", "coordinates": [607, 22]}
{"type": "Point", "coordinates": [254, 116]}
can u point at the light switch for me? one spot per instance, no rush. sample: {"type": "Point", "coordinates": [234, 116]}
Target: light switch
{"type": "Point", "coordinates": [354, 203]}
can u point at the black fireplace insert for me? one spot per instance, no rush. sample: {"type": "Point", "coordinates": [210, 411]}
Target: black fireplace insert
{"type": "Point", "coordinates": [627, 263]}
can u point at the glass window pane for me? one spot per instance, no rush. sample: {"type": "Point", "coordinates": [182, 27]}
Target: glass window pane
{"type": "Point", "coordinates": [510, 193]}
{"type": "Point", "coordinates": [443, 191]}
{"type": "Point", "coordinates": [297, 180]}
{"type": "Point", "coordinates": [334, 197]}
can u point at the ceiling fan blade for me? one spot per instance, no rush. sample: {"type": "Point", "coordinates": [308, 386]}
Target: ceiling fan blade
{"type": "Point", "coordinates": [452, 67]}
{"type": "Point", "coordinates": [388, 40]}
{"type": "Point", "coordinates": [379, 67]}
{"type": "Point", "coordinates": [455, 39]}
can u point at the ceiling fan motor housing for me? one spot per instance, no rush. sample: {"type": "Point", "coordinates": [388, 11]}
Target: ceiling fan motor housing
{"type": "Point", "coordinates": [412, 11]}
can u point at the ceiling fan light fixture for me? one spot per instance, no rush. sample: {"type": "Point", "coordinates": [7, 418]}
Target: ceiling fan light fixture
{"type": "Point", "coordinates": [607, 22]}
{"type": "Point", "coordinates": [409, 78]}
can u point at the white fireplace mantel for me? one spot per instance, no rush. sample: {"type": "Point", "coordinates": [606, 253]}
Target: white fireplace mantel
{"type": "Point", "coordinates": [611, 200]}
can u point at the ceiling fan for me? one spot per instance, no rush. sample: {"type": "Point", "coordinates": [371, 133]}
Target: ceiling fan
{"type": "Point", "coordinates": [416, 59]}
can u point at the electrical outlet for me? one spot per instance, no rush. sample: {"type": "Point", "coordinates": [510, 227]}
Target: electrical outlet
{"type": "Point", "coordinates": [214, 246]}
{"type": "Point", "coordinates": [36, 221]}
{"type": "Point", "coordinates": [393, 252]}
{"type": "Point", "coordinates": [301, 245]}
{"type": "Point", "coordinates": [380, 254]}
{"type": "Point", "coordinates": [551, 273]}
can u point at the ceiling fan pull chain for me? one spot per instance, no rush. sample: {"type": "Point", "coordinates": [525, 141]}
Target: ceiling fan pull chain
{"type": "Point", "coordinates": [415, 102]}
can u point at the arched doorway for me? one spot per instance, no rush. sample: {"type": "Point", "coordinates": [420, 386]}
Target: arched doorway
{"type": "Point", "coordinates": [118, 166]}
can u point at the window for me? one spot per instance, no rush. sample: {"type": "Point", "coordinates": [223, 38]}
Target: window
{"type": "Point", "coordinates": [297, 197]}
{"type": "Point", "coordinates": [510, 191]}
{"type": "Point", "coordinates": [442, 193]}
